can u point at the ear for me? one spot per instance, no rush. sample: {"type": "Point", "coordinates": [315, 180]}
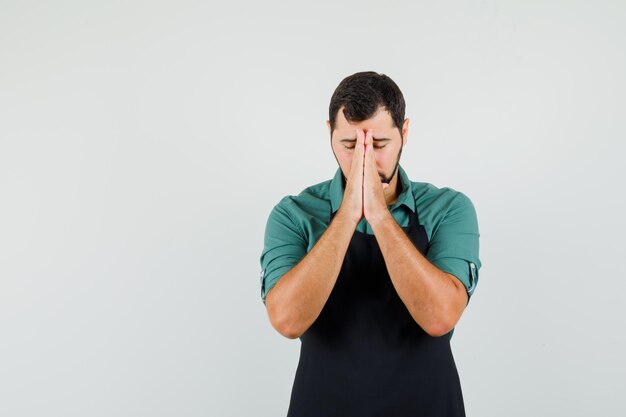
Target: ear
{"type": "Point", "coordinates": [328, 125]}
{"type": "Point", "coordinates": [405, 131]}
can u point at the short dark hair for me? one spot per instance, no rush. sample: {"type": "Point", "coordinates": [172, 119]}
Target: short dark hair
{"type": "Point", "coordinates": [362, 93]}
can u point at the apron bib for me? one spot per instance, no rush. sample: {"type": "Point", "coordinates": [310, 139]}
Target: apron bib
{"type": "Point", "coordinates": [365, 355]}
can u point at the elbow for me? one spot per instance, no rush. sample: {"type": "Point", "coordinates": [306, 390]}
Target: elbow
{"type": "Point", "coordinates": [441, 327]}
{"type": "Point", "coordinates": [282, 321]}
{"type": "Point", "coordinates": [286, 328]}
{"type": "Point", "coordinates": [445, 321]}
{"type": "Point", "coordinates": [291, 334]}
{"type": "Point", "coordinates": [438, 329]}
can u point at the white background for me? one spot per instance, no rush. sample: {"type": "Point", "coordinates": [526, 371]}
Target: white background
{"type": "Point", "coordinates": [144, 143]}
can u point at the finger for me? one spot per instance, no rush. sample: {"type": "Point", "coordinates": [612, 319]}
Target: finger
{"type": "Point", "coordinates": [368, 148]}
{"type": "Point", "coordinates": [359, 147]}
{"type": "Point", "coordinates": [356, 169]}
{"type": "Point", "coordinates": [370, 160]}
{"type": "Point", "coordinates": [360, 137]}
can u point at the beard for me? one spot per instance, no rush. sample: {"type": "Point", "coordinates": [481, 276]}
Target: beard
{"type": "Point", "coordinates": [387, 180]}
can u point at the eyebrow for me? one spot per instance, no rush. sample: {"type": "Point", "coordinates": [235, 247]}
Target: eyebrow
{"type": "Point", "coordinates": [375, 140]}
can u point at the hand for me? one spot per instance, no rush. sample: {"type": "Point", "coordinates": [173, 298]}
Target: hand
{"type": "Point", "coordinates": [352, 203]}
{"type": "Point", "coordinates": [374, 202]}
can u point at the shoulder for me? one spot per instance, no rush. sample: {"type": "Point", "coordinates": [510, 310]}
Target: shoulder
{"type": "Point", "coordinates": [428, 195]}
{"type": "Point", "coordinates": [438, 204]}
{"type": "Point", "coordinates": [305, 212]}
{"type": "Point", "coordinates": [311, 197]}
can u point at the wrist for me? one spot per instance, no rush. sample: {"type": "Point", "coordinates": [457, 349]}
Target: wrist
{"type": "Point", "coordinates": [346, 218]}
{"type": "Point", "coordinates": [379, 217]}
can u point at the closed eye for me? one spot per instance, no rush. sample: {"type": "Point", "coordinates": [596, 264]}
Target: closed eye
{"type": "Point", "coordinates": [375, 147]}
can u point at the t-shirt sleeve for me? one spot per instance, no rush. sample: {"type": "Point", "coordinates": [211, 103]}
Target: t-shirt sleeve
{"type": "Point", "coordinates": [454, 244]}
{"type": "Point", "coordinates": [284, 246]}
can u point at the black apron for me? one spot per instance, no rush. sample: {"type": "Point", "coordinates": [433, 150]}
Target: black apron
{"type": "Point", "coordinates": [365, 355]}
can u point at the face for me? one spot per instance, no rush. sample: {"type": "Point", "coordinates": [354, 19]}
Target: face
{"type": "Point", "coordinates": [388, 143]}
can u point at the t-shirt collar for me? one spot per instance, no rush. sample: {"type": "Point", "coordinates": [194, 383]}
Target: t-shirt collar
{"type": "Point", "coordinates": [406, 195]}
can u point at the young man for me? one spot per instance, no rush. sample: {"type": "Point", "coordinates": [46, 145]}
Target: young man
{"type": "Point", "coordinates": [371, 270]}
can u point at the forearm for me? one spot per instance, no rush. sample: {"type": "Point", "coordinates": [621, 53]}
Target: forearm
{"type": "Point", "coordinates": [430, 295]}
{"type": "Point", "coordinates": [298, 297]}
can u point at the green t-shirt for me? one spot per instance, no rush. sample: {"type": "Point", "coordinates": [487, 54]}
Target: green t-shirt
{"type": "Point", "coordinates": [297, 222]}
